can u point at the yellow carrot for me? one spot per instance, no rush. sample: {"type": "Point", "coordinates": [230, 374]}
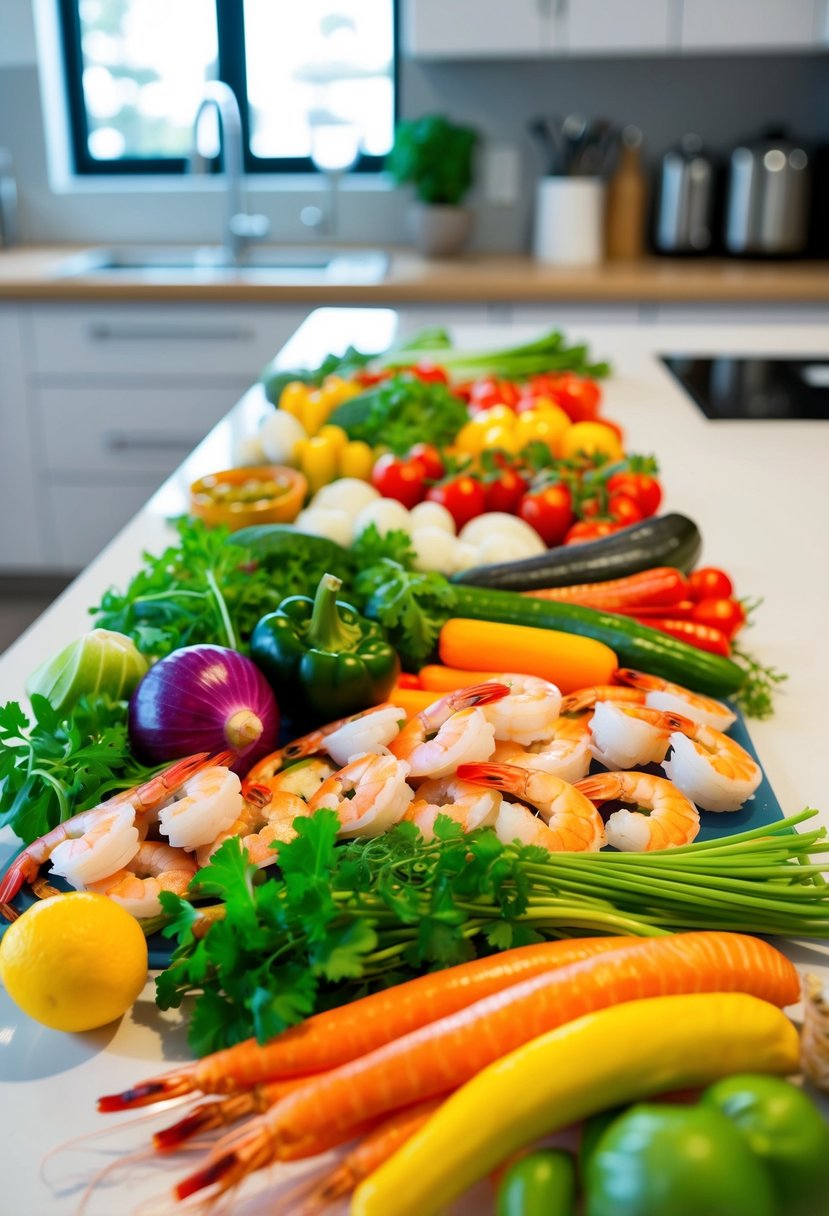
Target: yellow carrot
{"type": "Point", "coordinates": [437, 678]}
{"type": "Point", "coordinates": [566, 659]}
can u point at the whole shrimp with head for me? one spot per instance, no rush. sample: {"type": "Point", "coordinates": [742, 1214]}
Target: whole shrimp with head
{"type": "Point", "coordinates": [95, 844]}
{"type": "Point", "coordinates": [452, 731]}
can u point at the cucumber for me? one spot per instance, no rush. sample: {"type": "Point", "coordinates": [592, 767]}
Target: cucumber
{"type": "Point", "coordinates": [270, 542]}
{"type": "Point", "coordinates": [668, 540]}
{"type": "Point", "coordinates": [634, 645]}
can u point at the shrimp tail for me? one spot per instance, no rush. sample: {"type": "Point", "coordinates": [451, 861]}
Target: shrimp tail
{"type": "Point", "coordinates": [250, 1152]}
{"type": "Point", "coordinates": [500, 776]}
{"type": "Point", "coordinates": [23, 869]}
{"type": "Point", "coordinates": [157, 1089]}
{"type": "Point", "coordinates": [203, 1118]}
{"type": "Point", "coordinates": [601, 787]}
{"type": "Point", "coordinates": [478, 694]}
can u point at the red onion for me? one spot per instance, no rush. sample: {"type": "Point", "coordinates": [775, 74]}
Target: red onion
{"type": "Point", "coordinates": [200, 699]}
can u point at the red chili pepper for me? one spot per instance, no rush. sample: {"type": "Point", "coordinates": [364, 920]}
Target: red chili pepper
{"type": "Point", "coordinates": [651, 590]}
{"type": "Point", "coordinates": [704, 637]}
{"type": "Point", "coordinates": [683, 611]}
{"type": "Point", "coordinates": [407, 680]}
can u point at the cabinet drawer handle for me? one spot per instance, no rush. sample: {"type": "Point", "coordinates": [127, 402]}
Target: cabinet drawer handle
{"type": "Point", "coordinates": [120, 441]}
{"type": "Point", "coordinates": [102, 331]}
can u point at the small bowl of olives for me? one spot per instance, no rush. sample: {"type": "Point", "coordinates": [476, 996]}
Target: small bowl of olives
{"type": "Point", "coordinates": [237, 498]}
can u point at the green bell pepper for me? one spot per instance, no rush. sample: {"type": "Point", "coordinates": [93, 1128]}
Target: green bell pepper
{"type": "Point", "coordinates": [322, 659]}
{"type": "Point", "coordinates": [786, 1131]}
{"type": "Point", "coordinates": [662, 1160]}
{"type": "Point", "coordinates": [541, 1184]}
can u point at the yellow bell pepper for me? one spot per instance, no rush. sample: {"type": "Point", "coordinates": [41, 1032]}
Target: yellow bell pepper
{"type": "Point", "coordinates": [316, 411]}
{"type": "Point", "coordinates": [619, 1055]}
{"type": "Point", "coordinates": [294, 398]}
{"type": "Point", "coordinates": [336, 436]}
{"type": "Point", "coordinates": [317, 459]}
{"type": "Point", "coordinates": [356, 460]}
{"type": "Point", "coordinates": [541, 425]}
{"type": "Point", "coordinates": [470, 438]}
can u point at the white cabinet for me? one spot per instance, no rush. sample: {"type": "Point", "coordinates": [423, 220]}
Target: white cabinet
{"type": "Point", "coordinates": [747, 25]}
{"type": "Point", "coordinates": [608, 27]}
{"type": "Point", "coordinates": [459, 29]}
{"type": "Point", "coordinates": [101, 402]}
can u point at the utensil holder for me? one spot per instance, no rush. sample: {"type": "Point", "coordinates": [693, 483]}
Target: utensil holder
{"type": "Point", "coordinates": [569, 221]}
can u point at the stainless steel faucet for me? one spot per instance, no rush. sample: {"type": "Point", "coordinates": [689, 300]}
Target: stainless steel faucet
{"type": "Point", "coordinates": [239, 228]}
{"type": "Point", "coordinates": [8, 200]}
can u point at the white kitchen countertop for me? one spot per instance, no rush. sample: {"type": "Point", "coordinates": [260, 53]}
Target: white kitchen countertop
{"type": "Point", "coordinates": [759, 492]}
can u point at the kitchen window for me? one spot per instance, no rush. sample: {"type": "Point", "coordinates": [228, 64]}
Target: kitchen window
{"type": "Point", "coordinates": [316, 81]}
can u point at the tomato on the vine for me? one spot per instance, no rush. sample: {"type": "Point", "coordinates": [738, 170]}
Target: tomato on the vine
{"type": "Point", "coordinates": [624, 509]}
{"type": "Point", "coordinates": [430, 373]}
{"type": "Point", "coordinates": [428, 455]}
{"type": "Point", "coordinates": [403, 480]}
{"type": "Point", "coordinates": [709, 582]}
{"type": "Point", "coordinates": [588, 529]}
{"type": "Point", "coordinates": [549, 511]}
{"type": "Point", "coordinates": [720, 613]}
{"type": "Point", "coordinates": [505, 491]}
{"type": "Point", "coordinates": [487, 392]}
{"type": "Point", "coordinates": [644, 489]}
{"type": "Point", "coordinates": [464, 498]}
{"type": "Point", "coordinates": [577, 395]}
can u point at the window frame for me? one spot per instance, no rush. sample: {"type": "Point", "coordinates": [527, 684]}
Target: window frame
{"type": "Point", "coordinates": [232, 70]}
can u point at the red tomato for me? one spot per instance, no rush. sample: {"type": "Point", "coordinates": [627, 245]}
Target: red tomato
{"type": "Point", "coordinates": [585, 530]}
{"type": "Point", "coordinates": [464, 498]}
{"type": "Point", "coordinates": [624, 509]}
{"type": "Point", "coordinates": [429, 372]}
{"type": "Point", "coordinates": [427, 455]}
{"type": "Point", "coordinates": [407, 680]}
{"type": "Point", "coordinates": [577, 396]}
{"type": "Point", "coordinates": [725, 614]}
{"type": "Point", "coordinates": [369, 378]}
{"type": "Point", "coordinates": [645, 490]}
{"type": "Point", "coordinates": [400, 479]}
{"type": "Point", "coordinates": [709, 582]}
{"type": "Point", "coordinates": [488, 392]}
{"type": "Point", "coordinates": [549, 511]}
{"type": "Point", "coordinates": [505, 492]}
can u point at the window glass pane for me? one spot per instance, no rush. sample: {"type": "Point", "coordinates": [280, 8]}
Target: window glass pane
{"type": "Point", "coordinates": [320, 78]}
{"type": "Point", "coordinates": [144, 66]}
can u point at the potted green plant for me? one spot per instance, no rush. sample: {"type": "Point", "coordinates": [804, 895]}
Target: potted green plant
{"type": "Point", "coordinates": [435, 156]}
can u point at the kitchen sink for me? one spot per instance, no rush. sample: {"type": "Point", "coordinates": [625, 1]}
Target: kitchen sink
{"type": "Point", "coordinates": [210, 263]}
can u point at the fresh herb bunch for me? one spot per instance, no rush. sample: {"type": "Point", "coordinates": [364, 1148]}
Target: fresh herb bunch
{"type": "Point", "coordinates": [55, 765]}
{"type": "Point", "coordinates": [339, 920]}
{"type": "Point", "coordinates": [435, 156]}
{"type": "Point", "coordinates": [402, 411]}
{"type": "Point", "coordinates": [205, 588]}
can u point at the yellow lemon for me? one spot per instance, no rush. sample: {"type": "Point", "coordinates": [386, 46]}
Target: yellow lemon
{"type": "Point", "coordinates": [74, 962]}
{"type": "Point", "coordinates": [500, 436]}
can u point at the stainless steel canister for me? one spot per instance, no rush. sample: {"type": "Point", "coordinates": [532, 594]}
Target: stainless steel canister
{"type": "Point", "coordinates": [685, 207]}
{"type": "Point", "coordinates": [767, 205]}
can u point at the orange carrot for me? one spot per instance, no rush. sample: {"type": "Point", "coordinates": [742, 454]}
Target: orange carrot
{"type": "Point", "coordinates": [437, 678]}
{"type": "Point", "coordinates": [568, 660]}
{"type": "Point", "coordinates": [339, 1035]}
{"type": "Point", "coordinates": [444, 1055]}
{"type": "Point", "coordinates": [370, 1154]}
{"type": "Point", "coordinates": [413, 700]}
{"type": "Point", "coordinates": [207, 1116]}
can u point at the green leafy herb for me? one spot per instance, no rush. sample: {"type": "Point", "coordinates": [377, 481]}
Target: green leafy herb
{"type": "Point", "coordinates": [411, 605]}
{"type": "Point", "coordinates": [755, 696]}
{"type": "Point", "coordinates": [56, 765]}
{"type": "Point", "coordinates": [370, 548]}
{"type": "Point", "coordinates": [339, 920]}
{"type": "Point", "coordinates": [402, 411]}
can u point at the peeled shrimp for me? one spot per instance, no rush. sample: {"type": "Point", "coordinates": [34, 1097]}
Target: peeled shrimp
{"type": "Point", "coordinates": [368, 795]}
{"type": "Point", "coordinates": [264, 822]}
{"type": "Point", "coordinates": [94, 844]}
{"type": "Point", "coordinates": [315, 742]}
{"type": "Point", "coordinates": [371, 731]}
{"type": "Point", "coordinates": [528, 713]}
{"type": "Point", "coordinates": [573, 823]}
{"type": "Point", "coordinates": [585, 698]}
{"type": "Point", "coordinates": [472, 806]}
{"type": "Point", "coordinates": [626, 736]}
{"type": "Point", "coordinates": [211, 801]}
{"type": "Point", "coordinates": [452, 731]}
{"type": "Point", "coordinates": [661, 694]}
{"type": "Point", "coordinates": [303, 778]}
{"type": "Point", "coordinates": [156, 867]}
{"type": "Point", "coordinates": [711, 768]}
{"type": "Point", "coordinates": [664, 817]}
{"type": "Point", "coordinates": [564, 753]}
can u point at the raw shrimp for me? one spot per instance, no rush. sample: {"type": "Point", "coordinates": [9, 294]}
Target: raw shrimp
{"type": "Point", "coordinates": [211, 800]}
{"type": "Point", "coordinates": [452, 731]}
{"type": "Point", "coordinates": [565, 753]}
{"type": "Point", "coordinates": [95, 843]}
{"type": "Point", "coordinates": [528, 713]}
{"type": "Point", "coordinates": [155, 867]}
{"type": "Point", "coordinates": [664, 817]}
{"type": "Point", "coordinates": [368, 795]}
{"type": "Point", "coordinates": [264, 821]}
{"type": "Point", "coordinates": [472, 806]}
{"type": "Point", "coordinates": [661, 694]}
{"type": "Point", "coordinates": [572, 822]}
{"type": "Point", "coordinates": [626, 736]}
{"type": "Point", "coordinates": [711, 768]}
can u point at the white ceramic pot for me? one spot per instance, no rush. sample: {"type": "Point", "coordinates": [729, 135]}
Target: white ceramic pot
{"type": "Point", "coordinates": [438, 230]}
{"type": "Point", "coordinates": [569, 221]}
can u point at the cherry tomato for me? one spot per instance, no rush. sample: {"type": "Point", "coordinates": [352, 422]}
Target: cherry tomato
{"type": "Point", "coordinates": [549, 511]}
{"type": "Point", "coordinates": [431, 373]}
{"type": "Point", "coordinates": [577, 395]}
{"type": "Point", "coordinates": [408, 680]}
{"type": "Point", "coordinates": [505, 492]}
{"type": "Point", "coordinates": [488, 392]}
{"type": "Point", "coordinates": [367, 379]}
{"type": "Point", "coordinates": [400, 479]}
{"type": "Point", "coordinates": [428, 455]}
{"type": "Point", "coordinates": [720, 613]}
{"type": "Point", "coordinates": [644, 489]}
{"type": "Point", "coordinates": [464, 498]}
{"type": "Point", "coordinates": [707, 582]}
{"type": "Point", "coordinates": [624, 509]}
{"type": "Point", "coordinates": [585, 530]}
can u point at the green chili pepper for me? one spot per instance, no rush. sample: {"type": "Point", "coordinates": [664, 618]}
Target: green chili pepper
{"type": "Point", "coordinates": [322, 659]}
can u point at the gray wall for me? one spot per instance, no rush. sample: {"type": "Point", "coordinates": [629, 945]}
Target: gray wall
{"type": "Point", "coordinates": [721, 98]}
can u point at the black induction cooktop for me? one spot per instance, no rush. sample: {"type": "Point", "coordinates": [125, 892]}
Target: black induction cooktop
{"type": "Point", "coordinates": [743, 387]}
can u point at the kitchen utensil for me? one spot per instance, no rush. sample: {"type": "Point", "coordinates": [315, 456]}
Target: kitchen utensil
{"type": "Point", "coordinates": [627, 193]}
{"type": "Point", "coordinates": [685, 209]}
{"type": "Point", "coordinates": [767, 208]}
{"type": "Point", "coordinates": [548, 140]}
{"type": "Point", "coordinates": [569, 220]}
{"type": "Point", "coordinates": [573, 146]}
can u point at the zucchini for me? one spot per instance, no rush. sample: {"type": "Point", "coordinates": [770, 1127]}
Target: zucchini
{"type": "Point", "coordinates": [668, 540]}
{"type": "Point", "coordinates": [635, 645]}
{"type": "Point", "coordinates": [268, 543]}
